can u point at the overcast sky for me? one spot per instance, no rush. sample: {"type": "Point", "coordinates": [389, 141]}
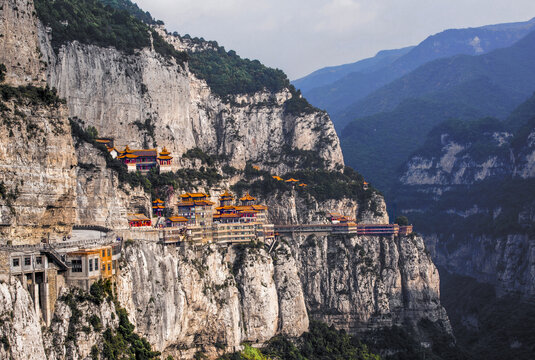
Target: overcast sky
{"type": "Point", "coordinates": [300, 36]}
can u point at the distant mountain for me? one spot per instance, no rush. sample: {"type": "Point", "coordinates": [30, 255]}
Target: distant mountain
{"type": "Point", "coordinates": [336, 94]}
{"type": "Point", "coordinates": [464, 87]}
{"type": "Point", "coordinates": [331, 74]}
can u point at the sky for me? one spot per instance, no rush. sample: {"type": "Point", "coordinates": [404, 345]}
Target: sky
{"type": "Point", "coordinates": [300, 36]}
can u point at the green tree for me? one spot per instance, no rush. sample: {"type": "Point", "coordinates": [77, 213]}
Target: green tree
{"type": "Point", "coordinates": [402, 221]}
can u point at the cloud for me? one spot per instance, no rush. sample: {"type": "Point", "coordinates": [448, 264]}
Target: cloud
{"type": "Point", "coordinates": [301, 36]}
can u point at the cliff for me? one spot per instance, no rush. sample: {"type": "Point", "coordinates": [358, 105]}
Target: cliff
{"type": "Point", "coordinates": [36, 152]}
{"type": "Point", "coordinates": [205, 297]}
{"type": "Point", "coordinates": [470, 191]}
{"type": "Point", "coordinates": [187, 299]}
{"type": "Point", "coordinates": [209, 297]}
{"type": "Point", "coordinates": [146, 99]}
{"type": "Point", "coordinates": [101, 199]}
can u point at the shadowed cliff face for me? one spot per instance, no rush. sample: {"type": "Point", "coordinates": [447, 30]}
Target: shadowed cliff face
{"type": "Point", "coordinates": [362, 283]}
{"type": "Point", "coordinates": [471, 194]}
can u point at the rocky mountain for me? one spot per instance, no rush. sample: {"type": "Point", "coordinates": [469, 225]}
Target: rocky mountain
{"type": "Point", "coordinates": [462, 87]}
{"type": "Point", "coordinates": [143, 89]}
{"type": "Point", "coordinates": [450, 179]}
{"type": "Point", "coordinates": [340, 89]}
{"type": "Point", "coordinates": [330, 75]}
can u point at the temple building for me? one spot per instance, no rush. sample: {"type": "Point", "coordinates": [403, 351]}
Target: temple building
{"type": "Point", "coordinates": [138, 220]}
{"type": "Point", "coordinates": [176, 222]}
{"type": "Point", "coordinates": [146, 159]}
{"type": "Point", "coordinates": [109, 143]}
{"type": "Point", "coordinates": [197, 209]}
{"type": "Point", "coordinates": [157, 207]}
{"type": "Point", "coordinates": [165, 160]}
{"type": "Point", "coordinates": [241, 223]}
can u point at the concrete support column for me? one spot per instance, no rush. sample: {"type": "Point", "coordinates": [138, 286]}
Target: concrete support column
{"type": "Point", "coordinates": [45, 293]}
{"type": "Point", "coordinates": [34, 292]}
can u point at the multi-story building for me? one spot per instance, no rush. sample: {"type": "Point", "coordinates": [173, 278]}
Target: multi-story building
{"type": "Point", "coordinates": [143, 160]}
{"type": "Point", "coordinates": [197, 209]}
{"type": "Point", "coordinates": [243, 222]}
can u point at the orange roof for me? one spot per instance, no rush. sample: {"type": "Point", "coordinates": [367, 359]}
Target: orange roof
{"type": "Point", "coordinates": [365, 183]}
{"type": "Point", "coordinates": [110, 149]}
{"type": "Point", "coordinates": [164, 151]}
{"type": "Point", "coordinates": [247, 197]}
{"type": "Point", "coordinates": [218, 216]}
{"type": "Point", "coordinates": [277, 178]}
{"type": "Point", "coordinates": [127, 149]}
{"type": "Point", "coordinates": [303, 185]}
{"type": "Point", "coordinates": [103, 141]}
{"type": "Point", "coordinates": [292, 180]}
{"type": "Point", "coordinates": [195, 203]}
{"type": "Point", "coordinates": [158, 201]}
{"type": "Point", "coordinates": [177, 219]}
{"type": "Point", "coordinates": [158, 207]}
{"type": "Point", "coordinates": [85, 252]}
{"type": "Point", "coordinates": [137, 217]}
{"type": "Point", "coordinates": [247, 209]}
{"type": "Point", "coordinates": [226, 207]}
{"type": "Point", "coordinates": [194, 195]}
{"type": "Point", "coordinates": [259, 207]}
{"type": "Point", "coordinates": [164, 157]}
{"type": "Point", "coordinates": [256, 167]}
{"type": "Point", "coordinates": [226, 195]}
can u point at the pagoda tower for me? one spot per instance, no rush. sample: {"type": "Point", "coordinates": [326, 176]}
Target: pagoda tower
{"type": "Point", "coordinates": [165, 160]}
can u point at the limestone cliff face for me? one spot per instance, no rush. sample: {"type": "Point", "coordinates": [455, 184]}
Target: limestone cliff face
{"type": "Point", "coordinates": [19, 43]}
{"type": "Point", "coordinates": [78, 326]}
{"type": "Point", "coordinates": [361, 283]}
{"type": "Point", "coordinates": [37, 158]}
{"type": "Point", "coordinates": [526, 158]}
{"type": "Point", "coordinates": [186, 299]}
{"type": "Point", "coordinates": [508, 262]}
{"type": "Point", "coordinates": [38, 171]}
{"type": "Point", "coordinates": [484, 196]}
{"type": "Point", "coordinates": [20, 328]}
{"type": "Point", "coordinates": [100, 198]}
{"type": "Point", "coordinates": [114, 92]}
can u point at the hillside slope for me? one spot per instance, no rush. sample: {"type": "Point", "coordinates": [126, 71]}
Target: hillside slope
{"type": "Point", "coordinates": [335, 93]}
{"type": "Point", "coordinates": [469, 87]}
{"type": "Point", "coordinates": [445, 188]}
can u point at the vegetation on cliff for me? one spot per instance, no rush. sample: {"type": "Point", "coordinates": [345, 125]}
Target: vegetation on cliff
{"type": "Point", "coordinates": [117, 343]}
{"type": "Point", "coordinates": [227, 74]}
{"type": "Point", "coordinates": [92, 22]}
{"type": "Point", "coordinates": [488, 326]}
{"type": "Point", "coordinates": [321, 342]}
{"type": "Point", "coordinates": [321, 184]}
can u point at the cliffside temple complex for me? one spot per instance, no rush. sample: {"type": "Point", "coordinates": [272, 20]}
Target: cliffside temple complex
{"type": "Point", "coordinates": [245, 221]}
{"type": "Point", "coordinates": [44, 269]}
{"type": "Point", "coordinates": [145, 159]}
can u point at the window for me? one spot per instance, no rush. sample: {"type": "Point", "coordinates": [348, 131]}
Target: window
{"type": "Point", "coordinates": [103, 253]}
{"type": "Point", "coordinates": [27, 261]}
{"type": "Point", "coordinates": [16, 262]}
{"type": "Point", "coordinates": [103, 267]}
{"type": "Point", "coordinates": [96, 264]}
{"type": "Point", "coordinates": [90, 264]}
{"type": "Point", "coordinates": [39, 260]}
{"type": "Point", "coordinates": [109, 252]}
{"type": "Point", "coordinates": [109, 267]}
{"type": "Point", "coordinates": [76, 266]}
